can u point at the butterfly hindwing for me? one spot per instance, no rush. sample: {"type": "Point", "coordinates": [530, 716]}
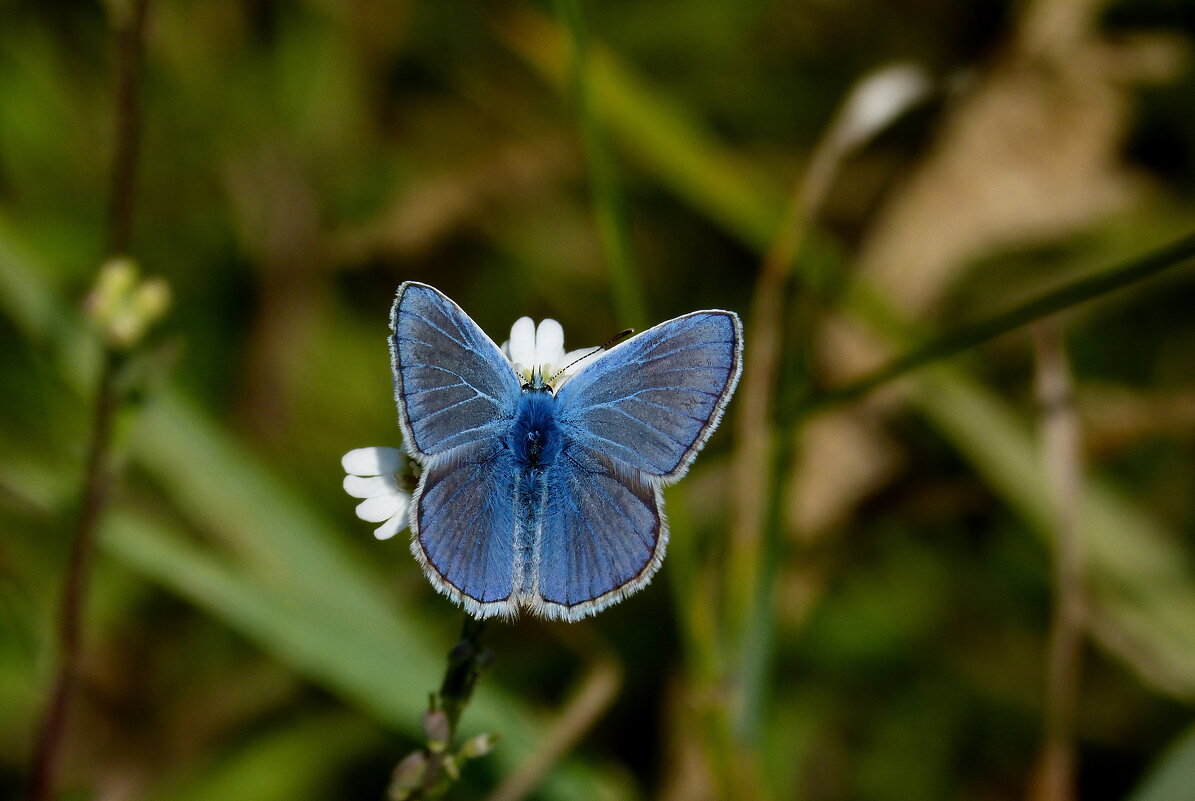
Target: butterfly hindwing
{"type": "Point", "coordinates": [652, 401]}
{"type": "Point", "coordinates": [463, 522]}
{"type": "Point", "coordinates": [453, 385]}
{"type": "Point", "coordinates": [601, 535]}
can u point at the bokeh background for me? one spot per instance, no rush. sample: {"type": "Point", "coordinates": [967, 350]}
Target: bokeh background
{"type": "Point", "coordinates": [857, 601]}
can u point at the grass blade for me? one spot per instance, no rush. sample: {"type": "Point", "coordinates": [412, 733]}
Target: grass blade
{"type": "Point", "coordinates": [1079, 291]}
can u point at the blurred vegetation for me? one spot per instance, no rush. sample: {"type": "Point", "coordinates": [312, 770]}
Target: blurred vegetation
{"type": "Point", "coordinates": [857, 601]}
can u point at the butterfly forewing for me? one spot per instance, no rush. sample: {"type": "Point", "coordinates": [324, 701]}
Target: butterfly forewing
{"type": "Point", "coordinates": [652, 401]}
{"type": "Point", "coordinates": [452, 383]}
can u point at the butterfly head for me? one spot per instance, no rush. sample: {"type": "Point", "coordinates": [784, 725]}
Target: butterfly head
{"type": "Point", "coordinates": [541, 378]}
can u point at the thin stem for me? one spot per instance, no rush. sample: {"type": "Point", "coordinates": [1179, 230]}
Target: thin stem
{"type": "Point", "coordinates": [130, 45]}
{"type": "Point", "coordinates": [466, 661]}
{"type": "Point", "coordinates": [757, 471]}
{"type": "Point", "coordinates": [609, 207]}
{"type": "Point", "coordinates": [1055, 779]}
{"type": "Point", "coordinates": [98, 479]}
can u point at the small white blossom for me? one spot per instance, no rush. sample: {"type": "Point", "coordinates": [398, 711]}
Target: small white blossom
{"type": "Point", "coordinates": [876, 101]}
{"type": "Point", "coordinates": [540, 351]}
{"type": "Point", "coordinates": [373, 475]}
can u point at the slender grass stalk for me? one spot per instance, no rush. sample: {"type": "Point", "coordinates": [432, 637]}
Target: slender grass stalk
{"type": "Point", "coordinates": [763, 459]}
{"type": "Point", "coordinates": [609, 207]}
{"type": "Point", "coordinates": [47, 753]}
{"type": "Point", "coordinates": [955, 342]}
{"type": "Point", "coordinates": [757, 473]}
{"type": "Point", "coordinates": [592, 698]}
{"type": "Point", "coordinates": [657, 130]}
{"type": "Point", "coordinates": [130, 44]}
{"type": "Point", "coordinates": [1055, 774]}
{"type": "Point", "coordinates": [97, 479]}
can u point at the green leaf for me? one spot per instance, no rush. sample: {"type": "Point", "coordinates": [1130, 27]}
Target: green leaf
{"type": "Point", "coordinates": [952, 343]}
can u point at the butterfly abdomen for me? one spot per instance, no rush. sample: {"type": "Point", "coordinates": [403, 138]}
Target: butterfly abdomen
{"type": "Point", "coordinates": [535, 441]}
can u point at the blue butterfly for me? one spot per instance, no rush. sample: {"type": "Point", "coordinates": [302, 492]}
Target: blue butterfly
{"type": "Point", "coordinates": [541, 494]}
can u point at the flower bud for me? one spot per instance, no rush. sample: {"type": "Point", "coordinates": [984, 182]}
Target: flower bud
{"type": "Point", "coordinates": [122, 307]}
{"type": "Point", "coordinates": [478, 746]}
{"type": "Point", "coordinates": [152, 298]}
{"type": "Point", "coordinates": [115, 281]}
{"type": "Point", "coordinates": [437, 730]}
{"type": "Point", "coordinates": [408, 775]}
{"type": "Point", "coordinates": [450, 768]}
{"type": "Point", "coordinates": [877, 101]}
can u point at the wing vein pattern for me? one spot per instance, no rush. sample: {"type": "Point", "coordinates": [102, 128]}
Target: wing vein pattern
{"type": "Point", "coordinates": [443, 361]}
{"type": "Point", "coordinates": [656, 398]}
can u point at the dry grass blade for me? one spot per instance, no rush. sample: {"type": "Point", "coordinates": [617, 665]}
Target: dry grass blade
{"type": "Point", "coordinates": [589, 702]}
{"type": "Point", "coordinates": [1055, 777]}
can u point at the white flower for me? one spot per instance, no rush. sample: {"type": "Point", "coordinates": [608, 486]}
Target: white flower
{"type": "Point", "coordinates": [373, 475]}
{"type": "Point", "coordinates": [876, 101]}
{"type": "Point", "coordinates": [540, 352]}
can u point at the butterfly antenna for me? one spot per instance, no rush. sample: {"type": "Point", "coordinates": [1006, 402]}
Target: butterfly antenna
{"type": "Point", "coordinates": [614, 340]}
{"type": "Point", "coordinates": [609, 343]}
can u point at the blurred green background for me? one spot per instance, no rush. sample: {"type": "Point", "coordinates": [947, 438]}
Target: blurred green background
{"type": "Point", "coordinates": [860, 610]}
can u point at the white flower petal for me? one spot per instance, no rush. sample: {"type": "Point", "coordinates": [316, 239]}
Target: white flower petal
{"type": "Point", "coordinates": [522, 341]}
{"type": "Point", "coordinates": [549, 343]}
{"type": "Point", "coordinates": [392, 526]}
{"type": "Point", "coordinates": [576, 355]}
{"type": "Point", "coordinates": [383, 507]}
{"type": "Point", "coordinates": [372, 461]}
{"type": "Point", "coordinates": [369, 486]}
{"type": "Point", "coordinates": [878, 99]}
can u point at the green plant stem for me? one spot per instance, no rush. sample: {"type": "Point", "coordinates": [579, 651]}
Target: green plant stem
{"type": "Point", "coordinates": [466, 661]}
{"type": "Point", "coordinates": [954, 342]}
{"type": "Point", "coordinates": [760, 476]}
{"type": "Point", "coordinates": [609, 208]}
{"type": "Point", "coordinates": [97, 480]}
{"type": "Point", "coordinates": [122, 193]}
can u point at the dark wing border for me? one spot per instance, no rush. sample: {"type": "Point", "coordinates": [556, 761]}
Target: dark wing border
{"type": "Point", "coordinates": [440, 471]}
{"type": "Point", "coordinates": [644, 488]}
